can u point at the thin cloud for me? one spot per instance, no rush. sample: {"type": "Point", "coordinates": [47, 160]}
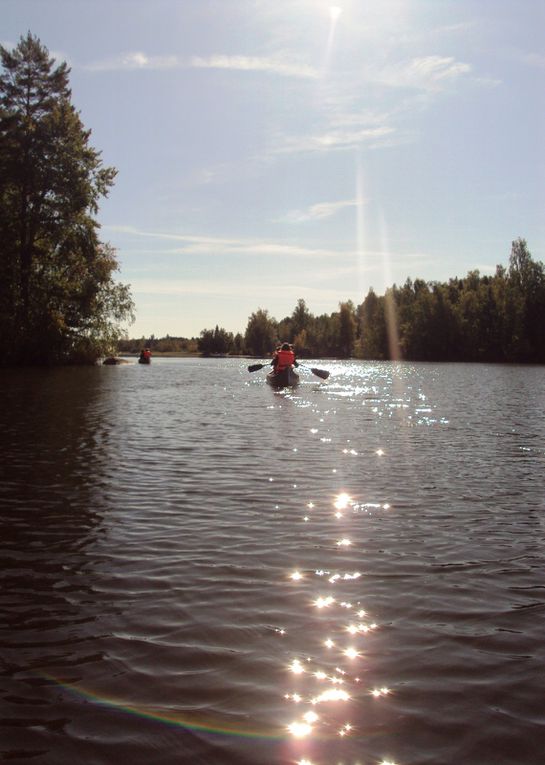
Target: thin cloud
{"type": "Point", "coordinates": [429, 73]}
{"type": "Point", "coordinates": [219, 246]}
{"type": "Point", "coordinates": [318, 211]}
{"type": "Point", "coordinates": [461, 27]}
{"type": "Point", "coordinates": [333, 140]}
{"type": "Point", "coordinates": [534, 59]}
{"type": "Point", "coordinates": [487, 82]}
{"type": "Point", "coordinates": [135, 60]}
{"type": "Point", "coordinates": [343, 116]}
{"type": "Point", "coordinates": [267, 291]}
{"type": "Point", "coordinates": [273, 65]}
{"type": "Point", "coordinates": [138, 60]}
{"type": "Point", "coordinates": [437, 68]}
{"type": "Point", "coordinates": [208, 245]}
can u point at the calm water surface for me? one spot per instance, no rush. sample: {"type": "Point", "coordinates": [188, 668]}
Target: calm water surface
{"type": "Point", "coordinates": [197, 569]}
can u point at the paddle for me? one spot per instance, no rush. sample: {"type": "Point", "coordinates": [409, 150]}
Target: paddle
{"type": "Point", "coordinates": [324, 374]}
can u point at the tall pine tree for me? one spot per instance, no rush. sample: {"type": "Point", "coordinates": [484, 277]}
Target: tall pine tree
{"type": "Point", "coordinates": [58, 300]}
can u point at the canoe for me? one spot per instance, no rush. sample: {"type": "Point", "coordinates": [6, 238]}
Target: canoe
{"type": "Point", "coordinates": [144, 361]}
{"type": "Point", "coordinates": [288, 377]}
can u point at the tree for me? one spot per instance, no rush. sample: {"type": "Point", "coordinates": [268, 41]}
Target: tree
{"type": "Point", "coordinates": [527, 286]}
{"type": "Point", "coordinates": [347, 328]}
{"type": "Point", "coordinates": [259, 338]}
{"type": "Point", "coordinates": [216, 340]}
{"type": "Point", "coordinates": [238, 343]}
{"type": "Point", "coordinates": [301, 317]}
{"type": "Point", "coordinates": [373, 332]}
{"type": "Point", "coordinates": [58, 301]}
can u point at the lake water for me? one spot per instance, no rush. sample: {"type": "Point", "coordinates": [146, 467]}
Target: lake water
{"type": "Point", "coordinates": [199, 569]}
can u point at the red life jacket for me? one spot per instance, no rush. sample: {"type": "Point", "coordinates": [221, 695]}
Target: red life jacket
{"type": "Point", "coordinates": [285, 359]}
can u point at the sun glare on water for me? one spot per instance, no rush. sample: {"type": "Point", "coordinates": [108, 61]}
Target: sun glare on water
{"type": "Point", "coordinates": [299, 729]}
{"type": "Point", "coordinates": [342, 501]}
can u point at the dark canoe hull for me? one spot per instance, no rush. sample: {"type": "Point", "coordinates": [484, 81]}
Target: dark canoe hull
{"type": "Point", "coordinates": [144, 361]}
{"type": "Point", "coordinates": [286, 378]}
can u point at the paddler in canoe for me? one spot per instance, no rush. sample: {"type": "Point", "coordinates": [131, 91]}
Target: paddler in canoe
{"type": "Point", "coordinates": [283, 364]}
{"type": "Point", "coordinates": [290, 377]}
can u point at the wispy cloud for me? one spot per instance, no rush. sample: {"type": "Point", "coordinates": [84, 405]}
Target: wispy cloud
{"type": "Point", "coordinates": [535, 59]}
{"type": "Point", "coordinates": [461, 27]}
{"type": "Point", "coordinates": [345, 260]}
{"type": "Point", "coordinates": [428, 73]}
{"type": "Point", "coordinates": [135, 60]}
{"type": "Point", "coordinates": [318, 211]}
{"type": "Point", "coordinates": [348, 123]}
{"type": "Point", "coordinates": [138, 60]}
{"type": "Point", "coordinates": [331, 140]}
{"type": "Point", "coordinates": [274, 65]}
{"type": "Point", "coordinates": [209, 245]}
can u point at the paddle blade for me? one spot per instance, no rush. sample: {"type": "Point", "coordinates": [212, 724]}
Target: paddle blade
{"type": "Point", "coordinates": [320, 373]}
{"type": "Point", "coordinates": [255, 367]}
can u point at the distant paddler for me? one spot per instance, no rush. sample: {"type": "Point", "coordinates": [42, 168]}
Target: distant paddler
{"type": "Point", "coordinates": [145, 356]}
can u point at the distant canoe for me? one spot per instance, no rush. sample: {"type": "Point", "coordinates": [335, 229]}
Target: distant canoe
{"type": "Point", "coordinates": [113, 360]}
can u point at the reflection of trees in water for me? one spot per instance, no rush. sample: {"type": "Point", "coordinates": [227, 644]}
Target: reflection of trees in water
{"type": "Point", "coordinates": [54, 455]}
{"type": "Point", "coordinates": [54, 447]}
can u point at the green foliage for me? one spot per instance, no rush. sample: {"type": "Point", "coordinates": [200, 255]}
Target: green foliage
{"type": "Point", "coordinates": [261, 332]}
{"type": "Point", "coordinates": [373, 338]}
{"type": "Point", "coordinates": [58, 301]}
{"type": "Point", "coordinates": [478, 318]}
{"type": "Point", "coordinates": [528, 287]}
{"type": "Point", "coordinates": [301, 318]}
{"type": "Point", "coordinates": [347, 329]}
{"type": "Point", "coordinates": [166, 344]}
{"type": "Point", "coordinates": [216, 341]}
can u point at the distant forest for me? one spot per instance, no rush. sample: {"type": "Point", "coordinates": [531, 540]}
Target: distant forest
{"type": "Point", "coordinates": [499, 318]}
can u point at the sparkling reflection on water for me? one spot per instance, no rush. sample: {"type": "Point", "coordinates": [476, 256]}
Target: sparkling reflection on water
{"type": "Point", "coordinates": [196, 568]}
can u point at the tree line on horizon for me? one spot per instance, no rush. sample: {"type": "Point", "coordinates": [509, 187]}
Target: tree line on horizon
{"type": "Point", "coordinates": [498, 318]}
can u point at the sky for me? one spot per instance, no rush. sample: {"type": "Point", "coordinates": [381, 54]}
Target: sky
{"type": "Point", "coordinates": [271, 151]}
